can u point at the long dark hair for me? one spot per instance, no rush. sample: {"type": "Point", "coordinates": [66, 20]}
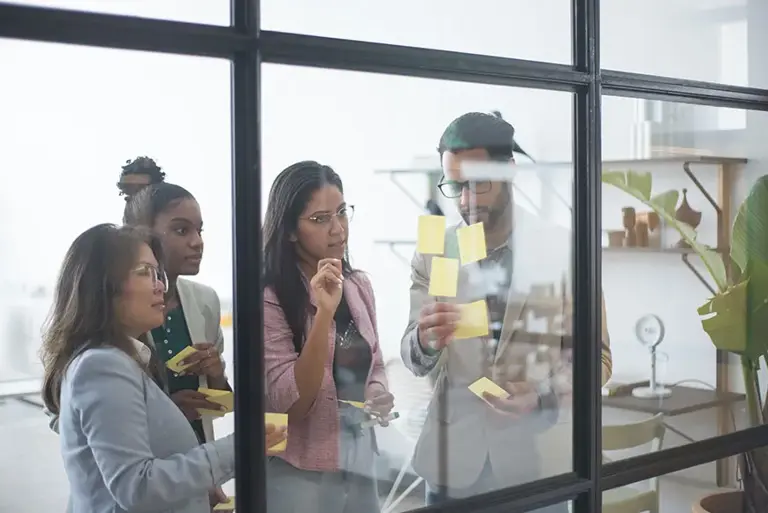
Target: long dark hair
{"type": "Point", "coordinates": [83, 314]}
{"type": "Point", "coordinates": [143, 208]}
{"type": "Point", "coordinates": [290, 193]}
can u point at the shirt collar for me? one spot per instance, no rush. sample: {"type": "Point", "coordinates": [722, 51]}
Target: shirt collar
{"type": "Point", "coordinates": [144, 352]}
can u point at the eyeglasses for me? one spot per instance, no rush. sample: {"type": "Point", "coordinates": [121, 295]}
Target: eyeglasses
{"type": "Point", "coordinates": [454, 188]}
{"type": "Point", "coordinates": [150, 271]}
{"type": "Point", "coordinates": [345, 214]}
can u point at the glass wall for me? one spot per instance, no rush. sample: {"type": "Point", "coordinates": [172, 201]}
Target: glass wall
{"type": "Point", "coordinates": [421, 267]}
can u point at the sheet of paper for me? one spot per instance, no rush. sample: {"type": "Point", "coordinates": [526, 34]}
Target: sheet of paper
{"type": "Point", "coordinates": [474, 320]}
{"type": "Point", "coordinates": [279, 420]}
{"type": "Point", "coordinates": [471, 243]}
{"type": "Point", "coordinates": [223, 397]}
{"type": "Point", "coordinates": [175, 363]}
{"type": "Point", "coordinates": [444, 278]}
{"type": "Point", "coordinates": [225, 506]}
{"type": "Point", "coordinates": [431, 235]}
{"type": "Point", "coordinates": [486, 385]}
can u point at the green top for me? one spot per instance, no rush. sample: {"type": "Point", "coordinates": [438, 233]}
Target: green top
{"type": "Point", "coordinates": [170, 339]}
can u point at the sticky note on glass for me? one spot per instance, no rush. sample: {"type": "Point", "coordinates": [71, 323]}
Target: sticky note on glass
{"type": "Point", "coordinates": [175, 363]}
{"type": "Point", "coordinates": [486, 385]}
{"type": "Point", "coordinates": [279, 420]}
{"type": "Point", "coordinates": [229, 505]}
{"type": "Point", "coordinates": [471, 243]}
{"type": "Point", "coordinates": [223, 397]}
{"type": "Point", "coordinates": [431, 237]}
{"type": "Point", "coordinates": [444, 277]}
{"type": "Point", "coordinates": [473, 321]}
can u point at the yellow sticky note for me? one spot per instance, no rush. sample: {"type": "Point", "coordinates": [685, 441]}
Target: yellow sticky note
{"type": "Point", "coordinates": [444, 278]}
{"type": "Point", "coordinates": [486, 385]}
{"type": "Point", "coordinates": [223, 397]}
{"type": "Point", "coordinates": [225, 506]}
{"type": "Point", "coordinates": [471, 243]}
{"type": "Point", "coordinates": [431, 238]}
{"type": "Point", "coordinates": [473, 321]}
{"type": "Point", "coordinates": [174, 363]}
{"type": "Point", "coordinates": [279, 420]}
{"type": "Point", "coordinates": [356, 404]}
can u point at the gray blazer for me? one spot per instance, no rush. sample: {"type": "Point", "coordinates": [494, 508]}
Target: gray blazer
{"type": "Point", "coordinates": [463, 433]}
{"type": "Point", "coordinates": [125, 445]}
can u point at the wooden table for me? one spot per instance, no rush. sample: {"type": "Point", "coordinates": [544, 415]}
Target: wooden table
{"type": "Point", "coordinates": [683, 400]}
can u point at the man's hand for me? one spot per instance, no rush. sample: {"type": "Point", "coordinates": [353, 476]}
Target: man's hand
{"type": "Point", "coordinates": [437, 324]}
{"type": "Point", "coordinates": [380, 403]}
{"type": "Point", "coordinates": [522, 400]}
{"type": "Point", "coordinates": [189, 401]}
{"type": "Point", "coordinates": [206, 361]}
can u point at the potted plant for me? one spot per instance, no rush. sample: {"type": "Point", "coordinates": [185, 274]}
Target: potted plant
{"type": "Point", "coordinates": [736, 318]}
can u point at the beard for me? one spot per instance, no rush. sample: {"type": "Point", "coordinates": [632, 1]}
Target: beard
{"type": "Point", "coordinates": [493, 215]}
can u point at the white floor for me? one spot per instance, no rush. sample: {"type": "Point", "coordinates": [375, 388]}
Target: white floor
{"type": "Point", "coordinates": [32, 480]}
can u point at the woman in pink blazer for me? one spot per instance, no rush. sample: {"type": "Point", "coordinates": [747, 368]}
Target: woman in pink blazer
{"type": "Point", "coordinates": [321, 349]}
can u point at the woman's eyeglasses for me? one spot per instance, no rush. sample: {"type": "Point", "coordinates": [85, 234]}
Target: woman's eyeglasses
{"type": "Point", "coordinates": [150, 271]}
{"type": "Point", "coordinates": [345, 213]}
{"type": "Point", "coordinates": [453, 188]}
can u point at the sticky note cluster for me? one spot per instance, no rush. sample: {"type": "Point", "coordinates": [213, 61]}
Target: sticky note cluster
{"type": "Point", "coordinates": [174, 364]}
{"type": "Point", "coordinates": [279, 420]}
{"type": "Point", "coordinates": [228, 505]}
{"type": "Point", "coordinates": [483, 385]}
{"type": "Point", "coordinates": [444, 277]}
{"type": "Point", "coordinates": [225, 398]}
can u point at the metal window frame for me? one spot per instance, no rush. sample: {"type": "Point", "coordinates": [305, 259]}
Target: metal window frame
{"type": "Point", "coordinates": [247, 47]}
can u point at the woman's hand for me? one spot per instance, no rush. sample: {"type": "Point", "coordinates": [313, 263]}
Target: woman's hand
{"type": "Point", "coordinates": [206, 361]}
{"type": "Point", "coordinates": [379, 403]}
{"type": "Point", "coordinates": [217, 496]}
{"type": "Point", "coordinates": [326, 285]}
{"type": "Point", "coordinates": [274, 435]}
{"type": "Point", "coordinates": [189, 401]}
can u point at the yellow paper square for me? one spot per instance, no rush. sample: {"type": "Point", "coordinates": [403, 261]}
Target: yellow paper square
{"type": "Point", "coordinates": [223, 397]}
{"type": "Point", "coordinates": [471, 243]}
{"type": "Point", "coordinates": [279, 420]}
{"type": "Point", "coordinates": [486, 385]}
{"type": "Point", "coordinates": [356, 404]}
{"type": "Point", "coordinates": [174, 363]}
{"type": "Point", "coordinates": [225, 506]}
{"type": "Point", "coordinates": [431, 236]}
{"type": "Point", "coordinates": [473, 321]}
{"type": "Point", "coordinates": [444, 278]}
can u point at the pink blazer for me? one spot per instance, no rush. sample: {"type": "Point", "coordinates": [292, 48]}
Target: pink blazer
{"type": "Point", "coordinates": [313, 441]}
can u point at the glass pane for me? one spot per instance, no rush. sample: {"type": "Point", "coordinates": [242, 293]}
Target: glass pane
{"type": "Point", "coordinates": [717, 41]}
{"type": "Point", "coordinates": [379, 136]}
{"type": "Point", "coordinates": [654, 282]}
{"type": "Point", "coordinates": [72, 128]}
{"type": "Point", "coordinates": [517, 28]}
{"type": "Point", "coordinates": [210, 12]}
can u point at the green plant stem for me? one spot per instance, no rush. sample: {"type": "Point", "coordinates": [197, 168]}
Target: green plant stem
{"type": "Point", "coordinates": [749, 371]}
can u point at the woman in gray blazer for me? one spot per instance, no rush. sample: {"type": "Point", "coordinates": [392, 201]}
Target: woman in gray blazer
{"type": "Point", "coordinates": [125, 446]}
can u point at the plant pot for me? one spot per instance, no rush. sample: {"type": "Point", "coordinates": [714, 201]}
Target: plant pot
{"type": "Point", "coordinates": [728, 502]}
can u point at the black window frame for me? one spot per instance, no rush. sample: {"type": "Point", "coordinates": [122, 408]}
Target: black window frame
{"type": "Point", "coordinates": [246, 46]}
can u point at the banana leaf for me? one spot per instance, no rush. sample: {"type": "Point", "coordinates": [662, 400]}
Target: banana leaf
{"type": "Point", "coordinates": [749, 241]}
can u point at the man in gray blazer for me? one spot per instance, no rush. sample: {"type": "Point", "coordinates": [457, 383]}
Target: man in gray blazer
{"type": "Point", "coordinates": [470, 446]}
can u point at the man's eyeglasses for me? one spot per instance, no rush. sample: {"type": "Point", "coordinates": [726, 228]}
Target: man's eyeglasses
{"type": "Point", "coordinates": [150, 271]}
{"type": "Point", "coordinates": [454, 188]}
{"type": "Point", "coordinates": [345, 214]}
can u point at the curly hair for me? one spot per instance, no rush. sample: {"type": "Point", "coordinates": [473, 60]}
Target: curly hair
{"type": "Point", "coordinates": [143, 166]}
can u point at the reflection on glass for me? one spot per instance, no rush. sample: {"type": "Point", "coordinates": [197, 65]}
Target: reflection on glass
{"type": "Point", "coordinates": [525, 30]}
{"type": "Point", "coordinates": [473, 398]}
{"type": "Point", "coordinates": [712, 41]}
{"type": "Point", "coordinates": [210, 12]}
{"type": "Point", "coordinates": [708, 164]}
{"type": "Point", "coordinates": [106, 137]}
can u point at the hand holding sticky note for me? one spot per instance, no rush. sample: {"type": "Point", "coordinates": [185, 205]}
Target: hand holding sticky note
{"type": "Point", "coordinates": [279, 420]}
{"type": "Point", "coordinates": [175, 365]}
{"type": "Point", "coordinates": [444, 277]}
{"type": "Point", "coordinates": [471, 243]}
{"type": "Point", "coordinates": [485, 385]}
{"type": "Point", "coordinates": [473, 322]}
{"type": "Point", "coordinates": [431, 236]}
{"type": "Point", "coordinates": [229, 505]}
{"type": "Point", "coordinates": [223, 397]}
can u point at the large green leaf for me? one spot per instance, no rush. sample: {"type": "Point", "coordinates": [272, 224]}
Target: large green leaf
{"type": "Point", "coordinates": [737, 319]}
{"type": "Point", "coordinates": [750, 230]}
{"type": "Point", "coordinates": [639, 185]}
